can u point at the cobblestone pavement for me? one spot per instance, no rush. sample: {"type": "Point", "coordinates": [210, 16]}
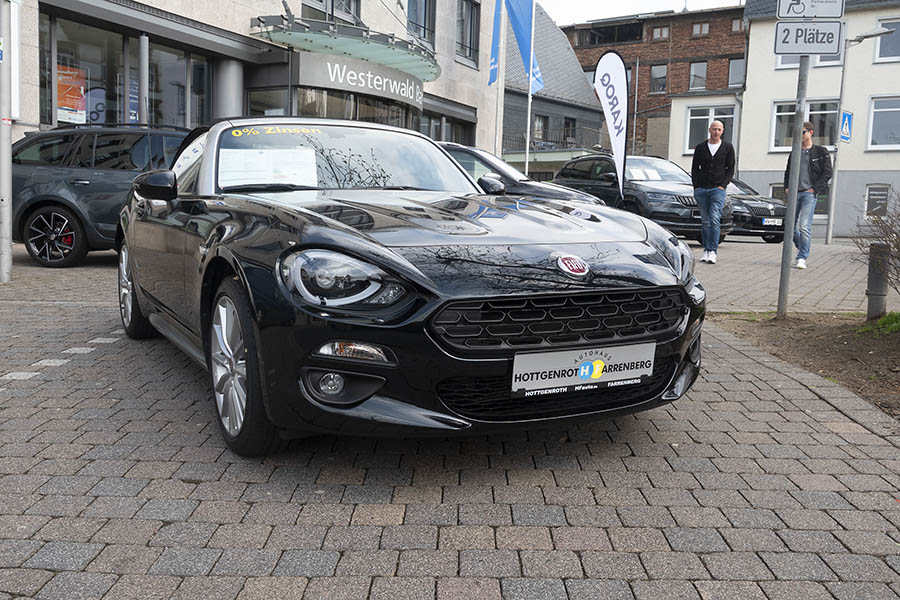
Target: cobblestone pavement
{"type": "Point", "coordinates": [746, 277]}
{"type": "Point", "coordinates": [766, 482]}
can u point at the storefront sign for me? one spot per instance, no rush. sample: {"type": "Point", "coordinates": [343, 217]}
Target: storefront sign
{"type": "Point", "coordinates": [359, 76]}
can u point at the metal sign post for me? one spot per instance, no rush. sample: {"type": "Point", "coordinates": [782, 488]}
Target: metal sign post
{"type": "Point", "coordinates": [5, 145]}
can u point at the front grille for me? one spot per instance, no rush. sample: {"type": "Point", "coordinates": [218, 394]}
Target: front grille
{"type": "Point", "coordinates": [503, 326]}
{"type": "Point", "coordinates": [764, 211]}
{"type": "Point", "coordinates": [687, 200]}
{"type": "Point", "coordinates": [488, 398]}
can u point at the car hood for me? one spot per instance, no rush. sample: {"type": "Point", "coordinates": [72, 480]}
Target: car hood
{"type": "Point", "coordinates": [554, 190]}
{"type": "Point", "coordinates": [422, 219]}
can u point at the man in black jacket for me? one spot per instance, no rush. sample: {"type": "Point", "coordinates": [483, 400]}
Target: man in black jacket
{"type": "Point", "coordinates": [815, 171]}
{"type": "Point", "coordinates": [711, 172]}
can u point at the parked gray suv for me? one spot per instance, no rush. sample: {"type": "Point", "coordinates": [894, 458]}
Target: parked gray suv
{"type": "Point", "coordinates": [69, 184]}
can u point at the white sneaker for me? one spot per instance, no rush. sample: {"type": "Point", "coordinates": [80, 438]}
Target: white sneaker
{"type": "Point", "coordinates": [801, 263]}
{"type": "Point", "coordinates": [705, 257]}
{"type": "Point", "coordinates": [712, 258]}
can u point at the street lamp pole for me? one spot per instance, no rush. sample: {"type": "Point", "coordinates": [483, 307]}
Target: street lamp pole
{"type": "Point", "coordinates": [879, 31]}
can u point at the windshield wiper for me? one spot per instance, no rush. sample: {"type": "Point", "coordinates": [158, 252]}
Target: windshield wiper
{"type": "Point", "coordinates": [268, 187]}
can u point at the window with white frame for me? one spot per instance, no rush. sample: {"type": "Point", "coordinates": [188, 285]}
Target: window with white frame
{"type": "Point", "coordinates": [737, 24]}
{"type": "Point", "coordinates": [628, 76]}
{"type": "Point", "coordinates": [736, 71]}
{"type": "Point", "coordinates": [885, 124]}
{"type": "Point", "coordinates": [658, 79]}
{"type": "Point", "coordinates": [888, 46]}
{"type": "Point", "coordinates": [589, 75]}
{"type": "Point", "coordinates": [698, 76]}
{"type": "Point", "coordinates": [822, 114]}
{"type": "Point", "coordinates": [877, 195]}
{"type": "Point", "coordinates": [700, 29]}
{"type": "Point", "coordinates": [699, 120]}
{"type": "Point", "coordinates": [787, 61]}
{"type": "Point", "coordinates": [661, 33]}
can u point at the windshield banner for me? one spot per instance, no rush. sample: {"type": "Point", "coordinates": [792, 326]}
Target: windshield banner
{"type": "Point", "coordinates": [611, 87]}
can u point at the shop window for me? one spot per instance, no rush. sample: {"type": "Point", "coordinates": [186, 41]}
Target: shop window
{"type": "Point", "coordinates": [89, 71]}
{"type": "Point", "coordinates": [467, 27]}
{"type": "Point", "coordinates": [461, 133]}
{"type": "Point", "coordinates": [736, 71]}
{"type": "Point", "coordinates": [201, 110]}
{"type": "Point", "coordinates": [46, 94]}
{"type": "Point", "coordinates": [325, 103]}
{"type": "Point", "coordinates": [698, 76]}
{"type": "Point", "coordinates": [699, 120]}
{"type": "Point", "coordinates": [885, 124]}
{"type": "Point", "coordinates": [267, 103]}
{"type": "Point", "coordinates": [429, 125]}
{"type": "Point", "coordinates": [877, 195]}
{"type": "Point", "coordinates": [168, 81]}
{"type": "Point", "coordinates": [658, 79]}
{"type": "Point", "coordinates": [420, 20]}
{"type": "Point", "coordinates": [888, 46]}
{"type": "Point", "coordinates": [700, 29]}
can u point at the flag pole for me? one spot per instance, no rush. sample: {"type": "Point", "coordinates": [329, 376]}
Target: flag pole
{"type": "Point", "coordinates": [501, 90]}
{"type": "Point", "coordinates": [529, 76]}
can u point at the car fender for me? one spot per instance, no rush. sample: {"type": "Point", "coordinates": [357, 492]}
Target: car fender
{"type": "Point", "coordinates": [26, 207]}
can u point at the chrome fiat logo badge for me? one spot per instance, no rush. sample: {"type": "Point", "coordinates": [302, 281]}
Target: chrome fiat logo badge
{"type": "Point", "coordinates": [572, 265]}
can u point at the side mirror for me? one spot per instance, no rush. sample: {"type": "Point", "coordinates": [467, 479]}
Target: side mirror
{"type": "Point", "coordinates": [156, 185]}
{"type": "Point", "coordinates": [491, 186]}
{"type": "Point", "coordinates": [608, 177]}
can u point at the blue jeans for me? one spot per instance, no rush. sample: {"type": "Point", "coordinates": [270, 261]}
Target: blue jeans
{"type": "Point", "coordinates": [806, 206]}
{"type": "Point", "coordinates": [710, 202]}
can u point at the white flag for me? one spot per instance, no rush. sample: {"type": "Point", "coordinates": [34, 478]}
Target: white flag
{"type": "Point", "coordinates": [611, 86]}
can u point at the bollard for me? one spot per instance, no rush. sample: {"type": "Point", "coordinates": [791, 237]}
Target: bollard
{"type": "Point", "coordinates": [877, 283]}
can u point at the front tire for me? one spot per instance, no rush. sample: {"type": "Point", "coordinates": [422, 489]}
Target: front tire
{"type": "Point", "coordinates": [54, 237]}
{"type": "Point", "coordinates": [234, 374]}
{"type": "Point", "coordinates": [135, 324]}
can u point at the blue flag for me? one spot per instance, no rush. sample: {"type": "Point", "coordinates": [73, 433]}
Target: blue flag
{"type": "Point", "coordinates": [495, 44]}
{"type": "Point", "coordinates": [520, 14]}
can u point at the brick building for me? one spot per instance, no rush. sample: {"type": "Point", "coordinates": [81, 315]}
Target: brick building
{"type": "Point", "coordinates": [668, 55]}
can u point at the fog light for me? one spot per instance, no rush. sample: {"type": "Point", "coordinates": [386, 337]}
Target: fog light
{"type": "Point", "coordinates": [358, 351]}
{"type": "Point", "coordinates": [331, 384]}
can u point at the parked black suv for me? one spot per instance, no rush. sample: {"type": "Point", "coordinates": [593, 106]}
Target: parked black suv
{"type": "Point", "coordinates": [479, 163]}
{"type": "Point", "coordinates": [755, 214]}
{"type": "Point", "coordinates": [654, 188]}
{"type": "Point", "coordinates": [69, 184]}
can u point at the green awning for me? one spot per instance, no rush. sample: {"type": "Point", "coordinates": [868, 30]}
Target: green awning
{"type": "Point", "coordinates": [355, 42]}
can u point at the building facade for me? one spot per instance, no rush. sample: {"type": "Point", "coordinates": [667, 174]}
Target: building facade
{"type": "Point", "coordinates": [669, 56]}
{"type": "Point", "coordinates": [419, 65]}
{"type": "Point", "coordinates": [870, 163]}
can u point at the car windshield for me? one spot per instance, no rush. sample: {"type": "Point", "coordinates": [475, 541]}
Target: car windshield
{"type": "Point", "coordinates": [739, 187]}
{"type": "Point", "coordinates": [654, 169]}
{"type": "Point", "coordinates": [285, 156]}
{"type": "Point", "coordinates": [502, 168]}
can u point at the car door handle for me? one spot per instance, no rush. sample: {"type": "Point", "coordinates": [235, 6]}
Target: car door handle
{"type": "Point", "coordinates": [80, 182]}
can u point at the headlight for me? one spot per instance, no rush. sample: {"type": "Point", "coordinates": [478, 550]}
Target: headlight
{"type": "Point", "coordinates": [656, 197]}
{"type": "Point", "coordinates": [739, 208]}
{"type": "Point", "coordinates": [687, 260]}
{"type": "Point", "coordinates": [329, 278]}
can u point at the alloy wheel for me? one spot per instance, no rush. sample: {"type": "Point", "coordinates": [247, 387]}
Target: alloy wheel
{"type": "Point", "coordinates": [126, 287]}
{"type": "Point", "coordinates": [51, 237]}
{"type": "Point", "coordinates": [229, 366]}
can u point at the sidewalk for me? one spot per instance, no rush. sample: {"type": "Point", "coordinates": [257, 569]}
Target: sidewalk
{"type": "Point", "coordinates": [765, 482]}
{"type": "Point", "coordinates": [746, 278]}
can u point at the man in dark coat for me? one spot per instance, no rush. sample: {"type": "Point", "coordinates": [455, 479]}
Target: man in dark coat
{"type": "Point", "coordinates": [815, 171]}
{"type": "Point", "coordinates": [711, 172]}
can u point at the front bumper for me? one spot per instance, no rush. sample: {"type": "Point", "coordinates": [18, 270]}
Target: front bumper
{"type": "Point", "coordinates": [750, 224]}
{"type": "Point", "coordinates": [434, 391]}
{"type": "Point", "coordinates": [685, 220]}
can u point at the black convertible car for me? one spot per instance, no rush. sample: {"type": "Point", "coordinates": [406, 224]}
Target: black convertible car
{"type": "Point", "coordinates": [351, 278]}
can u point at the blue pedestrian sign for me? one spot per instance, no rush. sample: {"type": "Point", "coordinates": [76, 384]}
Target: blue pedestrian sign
{"type": "Point", "coordinates": [846, 125]}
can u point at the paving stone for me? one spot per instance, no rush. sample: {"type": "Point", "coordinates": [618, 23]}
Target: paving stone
{"type": "Point", "coordinates": [737, 566]}
{"type": "Point", "coordinates": [273, 588]}
{"type": "Point", "coordinates": [524, 538]}
{"type": "Point", "coordinates": [143, 587]}
{"type": "Point", "coordinates": [699, 539]}
{"type": "Point", "coordinates": [489, 563]}
{"type": "Point", "coordinates": [185, 562]}
{"type": "Point", "coordinates": [664, 590]}
{"type": "Point", "coordinates": [729, 590]}
{"type": "Point", "coordinates": [368, 563]}
{"type": "Point", "coordinates": [430, 563]}
{"type": "Point", "coordinates": [23, 582]}
{"type": "Point", "coordinates": [466, 537]}
{"type": "Point", "coordinates": [533, 589]}
{"type": "Point", "coordinates": [325, 514]}
{"type": "Point", "coordinates": [538, 515]}
{"type": "Point", "coordinates": [407, 588]}
{"type": "Point", "coordinates": [799, 566]}
{"type": "Point", "coordinates": [582, 589]}
{"type": "Point", "coordinates": [430, 514]}
{"type": "Point", "coordinates": [226, 588]}
{"type": "Point", "coordinates": [612, 565]}
{"type": "Point", "coordinates": [866, 542]}
{"type": "Point", "coordinates": [791, 590]}
{"type": "Point", "coordinates": [246, 562]}
{"type": "Point", "coordinates": [456, 588]}
{"type": "Point", "coordinates": [130, 531]}
{"type": "Point", "coordinates": [15, 552]}
{"type": "Point", "coordinates": [861, 591]}
{"type": "Point", "coordinates": [580, 539]}
{"type": "Point", "coordinates": [484, 514]}
{"type": "Point", "coordinates": [192, 534]}
{"type": "Point", "coordinates": [550, 563]}
{"type": "Point", "coordinates": [122, 559]}
{"type": "Point", "coordinates": [338, 588]}
{"type": "Point", "coordinates": [811, 541]}
{"type": "Point", "coordinates": [637, 539]}
{"type": "Point", "coordinates": [851, 567]}
{"type": "Point", "coordinates": [307, 563]}
{"type": "Point", "coordinates": [753, 540]}
{"type": "Point", "coordinates": [63, 556]}
{"type": "Point", "coordinates": [77, 586]}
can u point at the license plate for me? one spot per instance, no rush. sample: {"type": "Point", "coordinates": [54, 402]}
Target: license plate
{"type": "Point", "coordinates": [772, 221]}
{"type": "Point", "coordinates": [542, 373]}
